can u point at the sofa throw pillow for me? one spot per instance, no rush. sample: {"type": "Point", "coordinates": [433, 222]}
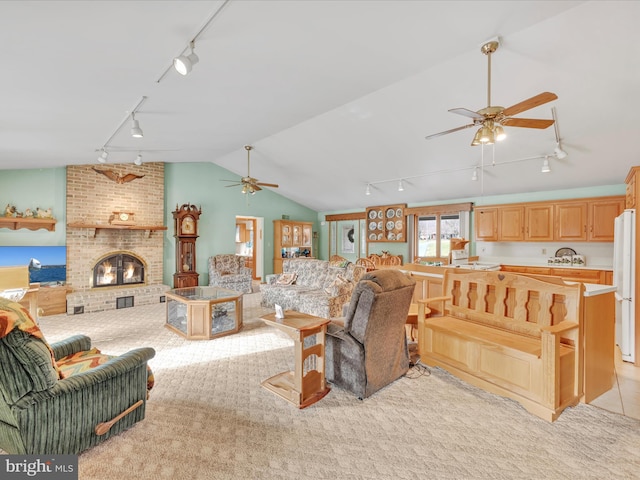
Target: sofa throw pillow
{"type": "Point", "coordinates": [286, 278]}
{"type": "Point", "coordinates": [338, 286]}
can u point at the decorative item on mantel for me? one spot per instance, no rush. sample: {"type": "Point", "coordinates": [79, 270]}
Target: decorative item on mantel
{"type": "Point", "coordinates": [10, 211]}
{"type": "Point", "coordinates": [122, 218]}
{"type": "Point", "coordinates": [116, 177]}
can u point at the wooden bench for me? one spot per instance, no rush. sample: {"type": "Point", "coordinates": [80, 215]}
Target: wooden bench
{"type": "Point", "coordinates": [512, 335]}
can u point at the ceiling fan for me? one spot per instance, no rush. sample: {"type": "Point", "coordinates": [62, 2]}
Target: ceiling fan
{"type": "Point", "coordinates": [491, 119]}
{"type": "Point", "coordinates": [249, 184]}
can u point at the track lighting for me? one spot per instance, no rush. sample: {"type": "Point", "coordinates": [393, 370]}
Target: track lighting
{"type": "Point", "coordinates": [103, 156]}
{"type": "Point", "coordinates": [368, 190]}
{"type": "Point", "coordinates": [474, 177]}
{"type": "Point", "coordinates": [138, 160]}
{"type": "Point", "coordinates": [545, 166]}
{"type": "Point", "coordinates": [560, 154]}
{"type": "Point", "coordinates": [184, 63]}
{"type": "Point", "coordinates": [136, 131]}
{"type": "Point", "coordinates": [400, 186]}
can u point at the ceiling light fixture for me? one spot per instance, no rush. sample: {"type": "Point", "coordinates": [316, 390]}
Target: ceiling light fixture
{"type": "Point", "coordinates": [400, 186]}
{"type": "Point", "coordinates": [545, 166]}
{"type": "Point", "coordinates": [560, 154]}
{"type": "Point", "coordinates": [474, 177]}
{"type": "Point", "coordinates": [135, 128]}
{"type": "Point", "coordinates": [184, 63]}
{"type": "Point", "coordinates": [136, 131]}
{"type": "Point", "coordinates": [138, 160]}
{"type": "Point", "coordinates": [368, 189]}
{"type": "Point", "coordinates": [103, 156]}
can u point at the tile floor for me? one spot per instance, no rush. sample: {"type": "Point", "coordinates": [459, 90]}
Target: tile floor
{"type": "Point", "coordinates": [624, 397]}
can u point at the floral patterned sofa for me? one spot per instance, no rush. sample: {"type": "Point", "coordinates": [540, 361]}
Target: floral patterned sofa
{"type": "Point", "coordinates": [316, 287]}
{"type": "Point", "coordinates": [229, 271]}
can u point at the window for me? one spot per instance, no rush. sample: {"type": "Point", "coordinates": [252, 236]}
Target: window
{"type": "Point", "coordinates": [435, 226]}
{"type": "Point", "coordinates": [435, 233]}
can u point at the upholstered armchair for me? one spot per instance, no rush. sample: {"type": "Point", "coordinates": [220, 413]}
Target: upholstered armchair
{"type": "Point", "coordinates": [368, 349]}
{"type": "Point", "coordinates": [229, 271]}
{"type": "Point", "coordinates": [62, 398]}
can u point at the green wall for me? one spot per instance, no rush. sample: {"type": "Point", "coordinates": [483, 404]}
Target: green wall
{"type": "Point", "coordinates": [39, 188]}
{"type": "Point", "coordinates": [396, 248]}
{"type": "Point", "coordinates": [196, 183]}
{"type": "Point", "coordinates": [200, 184]}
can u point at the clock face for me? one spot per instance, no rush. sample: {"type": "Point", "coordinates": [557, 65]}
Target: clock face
{"type": "Point", "coordinates": [123, 216]}
{"type": "Point", "coordinates": [188, 225]}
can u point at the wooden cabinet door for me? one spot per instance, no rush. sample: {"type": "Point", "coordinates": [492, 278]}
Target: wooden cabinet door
{"type": "Point", "coordinates": [571, 221]}
{"type": "Point", "coordinates": [486, 220]}
{"type": "Point", "coordinates": [511, 224]}
{"type": "Point", "coordinates": [286, 235]}
{"type": "Point", "coordinates": [307, 235]}
{"type": "Point", "coordinates": [297, 235]}
{"type": "Point", "coordinates": [602, 214]}
{"type": "Point", "coordinates": [538, 223]}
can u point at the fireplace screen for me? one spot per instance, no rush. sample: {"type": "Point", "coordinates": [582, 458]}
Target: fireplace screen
{"type": "Point", "coordinates": [118, 269]}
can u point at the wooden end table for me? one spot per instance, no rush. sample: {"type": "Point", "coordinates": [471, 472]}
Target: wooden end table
{"type": "Point", "coordinates": [296, 387]}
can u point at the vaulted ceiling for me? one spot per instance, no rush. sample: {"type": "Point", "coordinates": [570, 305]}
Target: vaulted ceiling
{"type": "Point", "coordinates": [333, 95]}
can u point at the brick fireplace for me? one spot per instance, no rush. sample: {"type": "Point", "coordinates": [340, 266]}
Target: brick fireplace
{"type": "Point", "coordinates": [92, 199]}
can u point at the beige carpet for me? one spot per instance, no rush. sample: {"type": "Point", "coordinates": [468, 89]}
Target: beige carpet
{"type": "Point", "coordinates": [209, 418]}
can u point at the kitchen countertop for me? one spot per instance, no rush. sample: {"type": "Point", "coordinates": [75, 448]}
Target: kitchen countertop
{"type": "Point", "coordinates": [591, 289]}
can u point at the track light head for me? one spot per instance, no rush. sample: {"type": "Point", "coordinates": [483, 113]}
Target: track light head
{"type": "Point", "coordinates": [184, 63]}
{"type": "Point", "coordinates": [560, 154]}
{"type": "Point", "coordinates": [138, 160]}
{"type": "Point", "coordinates": [368, 190]}
{"type": "Point", "coordinates": [103, 156]}
{"type": "Point", "coordinates": [136, 131]}
{"type": "Point", "coordinates": [474, 177]}
{"type": "Point", "coordinates": [400, 186]}
{"type": "Point", "coordinates": [545, 166]}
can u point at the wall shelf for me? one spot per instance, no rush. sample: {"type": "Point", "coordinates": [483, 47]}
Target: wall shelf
{"type": "Point", "coordinates": [105, 226]}
{"type": "Point", "coordinates": [16, 223]}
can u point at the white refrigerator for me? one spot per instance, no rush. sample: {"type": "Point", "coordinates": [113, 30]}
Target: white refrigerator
{"type": "Point", "coordinates": [624, 279]}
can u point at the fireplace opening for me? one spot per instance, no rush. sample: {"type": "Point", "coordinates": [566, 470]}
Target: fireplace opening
{"type": "Point", "coordinates": [118, 269]}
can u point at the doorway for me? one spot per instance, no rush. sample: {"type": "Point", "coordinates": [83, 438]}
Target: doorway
{"type": "Point", "coordinates": [249, 243]}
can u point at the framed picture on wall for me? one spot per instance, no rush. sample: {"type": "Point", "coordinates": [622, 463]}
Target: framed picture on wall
{"type": "Point", "coordinates": [348, 240]}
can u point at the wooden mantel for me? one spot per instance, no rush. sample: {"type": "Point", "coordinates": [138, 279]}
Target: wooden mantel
{"type": "Point", "coordinates": [106, 226]}
{"type": "Point", "coordinates": [15, 223]}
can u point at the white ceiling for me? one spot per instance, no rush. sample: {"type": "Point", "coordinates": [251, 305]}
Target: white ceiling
{"type": "Point", "coordinates": [332, 94]}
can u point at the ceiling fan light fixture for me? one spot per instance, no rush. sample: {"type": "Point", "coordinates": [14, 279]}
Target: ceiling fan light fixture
{"type": "Point", "coordinates": [545, 166]}
{"type": "Point", "coordinates": [184, 63]}
{"type": "Point", "coordinates": [499, 133]}
{"type": "Point", "coordinates": [486, 135]}
{"type": "Point", "coordinates": [476, 139]}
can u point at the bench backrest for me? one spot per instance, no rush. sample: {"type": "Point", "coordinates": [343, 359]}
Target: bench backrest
{"type": "Point", "coordinates": [512, 302]}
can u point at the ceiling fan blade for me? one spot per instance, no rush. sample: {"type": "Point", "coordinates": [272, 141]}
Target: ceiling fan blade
{"type": "Point", "coordinates": [237, 180]}
{"type": "Point", "coordinates": [526, 122]}
{"type": "Point", "coordinates": [234, 185]}
{"type": "Point", "coordinates": [467, 113]}
{"type": "Point", "coordinates": [272, 185]}
{"type": "Point", "coordinates": [449, 131]}
{"type": "Point", "coordinates": [256, 187]}
{"type": "Point", "coordinates": [530, 103]}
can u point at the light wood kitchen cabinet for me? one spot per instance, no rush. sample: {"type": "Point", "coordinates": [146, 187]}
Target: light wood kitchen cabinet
{"type": "Point", "coordinates": [581, 220]}
{"type": "Point", "coordinates": [602, 215]}
{"type": "Point", "coordinates": [511, 223]}
{"type": "Point", "coordinates": [584, 275]}
{"type": "Point", "coordinates": [538, 222]}
{"type": "Point", "coordinates": [486, 221]}
{"type": "Point", "coordinates": [571, 221]}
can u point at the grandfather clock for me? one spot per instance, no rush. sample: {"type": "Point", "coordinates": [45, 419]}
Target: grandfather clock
{"type": "Point", "coordinates": [185, 223]}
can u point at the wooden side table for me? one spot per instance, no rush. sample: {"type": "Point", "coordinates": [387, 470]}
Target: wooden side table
{"type": "Point", "coordinates": [296, 387]}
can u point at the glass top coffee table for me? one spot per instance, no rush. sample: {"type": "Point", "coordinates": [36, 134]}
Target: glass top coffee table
{"type": "Point", "coordinates": [203, 313]}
